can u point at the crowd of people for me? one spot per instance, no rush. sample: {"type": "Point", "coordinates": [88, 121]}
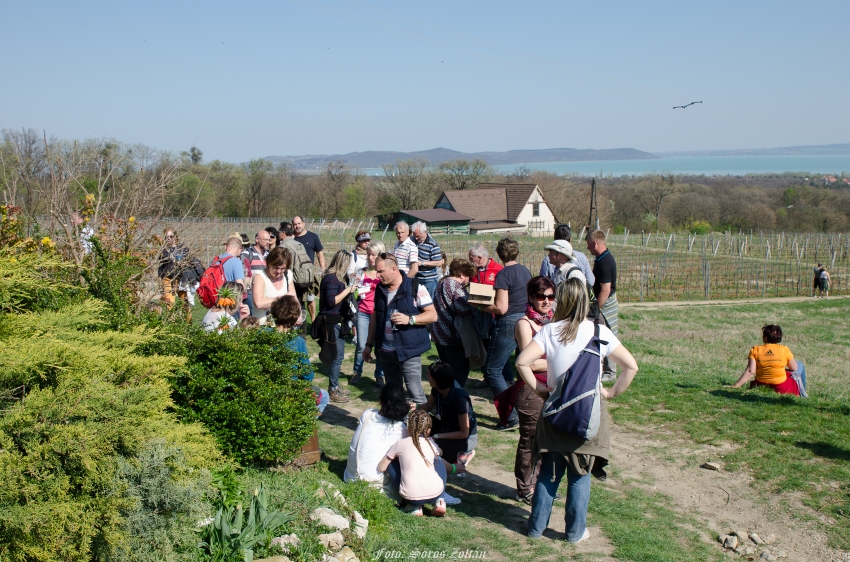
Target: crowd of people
{"type": "Point", "coordinates": [528, 341]}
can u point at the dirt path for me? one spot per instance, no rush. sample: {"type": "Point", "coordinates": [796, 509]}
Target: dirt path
{"type": "Point", "coordinates": [665, 304]}
{"type": "Point", "coordinates": [719, 501]}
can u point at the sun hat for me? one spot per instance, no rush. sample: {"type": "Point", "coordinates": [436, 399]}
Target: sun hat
{"type": "Point", "coordinates": [563, 247]}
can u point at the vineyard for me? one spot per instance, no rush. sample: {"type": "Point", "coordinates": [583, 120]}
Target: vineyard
{"type": "Point", "coordinates": [653, 266]}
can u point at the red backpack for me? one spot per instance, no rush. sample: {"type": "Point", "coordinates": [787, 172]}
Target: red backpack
{"type": "Point", "coordinates": [211, 281]}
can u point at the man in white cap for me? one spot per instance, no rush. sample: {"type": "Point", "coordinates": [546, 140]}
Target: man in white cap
{"type": "Point", "coordinates": [561, 256]}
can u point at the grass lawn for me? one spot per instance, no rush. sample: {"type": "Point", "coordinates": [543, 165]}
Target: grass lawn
{"type": "Point", "coordinates": [793, 448]}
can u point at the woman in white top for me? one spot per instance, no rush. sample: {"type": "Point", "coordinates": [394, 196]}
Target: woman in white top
{"type": "Point", "coordinates": [561, 342]}
{"type": "Point", "coordinates": [376, 432]}
{"type": "Point", "coordinates": [272, 282]}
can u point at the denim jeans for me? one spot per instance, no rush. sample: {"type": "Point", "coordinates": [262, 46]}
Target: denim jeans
{"type": "Point", "coordinates": [801, 370]}
{"type": "Point", "coordinates": [502, 346]}
{"type": "Point", "coordinates": [431, 285]}
{"type": "Point", "coordinates": [455, 356]}
{"type": "Point", "coordinates": [333, 372]}
{"type": "Point", "coordinates": [552, 468]}
{"type": "Point", "coordinates": [394, 472]}
{"type": "Point", "coordinates": [362, 334]}
{"type": "Point", "coordinates": [408, 372]}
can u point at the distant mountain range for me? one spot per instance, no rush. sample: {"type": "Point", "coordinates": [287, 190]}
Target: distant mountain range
{"type": "Point", "coordinates": [812, 150]}
{"type": "Point", "coordinates": [437, 156]}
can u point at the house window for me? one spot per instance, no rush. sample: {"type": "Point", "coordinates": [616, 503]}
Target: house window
{"type": "Point", "coordinates": [535, 209]}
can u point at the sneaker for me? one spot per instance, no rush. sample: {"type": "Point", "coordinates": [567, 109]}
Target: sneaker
{"type": "Point", "coordinates": [609, 376]}
{"type": "Point", "coordinates": [466, 458]}
{"type": "Point", "coordinates": [337, 396]}
{"type": "Point", "coordinates": [508, 426]}
{"type": "Point", "coordinates": [526, 499]}
{"type": "Point", "coordinates": [584, 536]}
{"type": "Point", "coordinates": [450, 500]}
{"type": "Point", "coordinates": [356, 378]}
{"type": "Point", "coordinates": [418, 512]}
{"type": "Point", "coordinates": [481, 384]}
{"type": "Point", "coordinates": [379, 382]}
{"type": "Point", "coordinates": [439, 509]}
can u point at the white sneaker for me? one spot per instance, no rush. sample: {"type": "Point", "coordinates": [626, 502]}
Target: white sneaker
{"type": "Point", "coordinates": [584, 536]}
{"type": "Point", "coordinates": [450, 500]}
{"type": "Point", "coordinates": [609, 376]}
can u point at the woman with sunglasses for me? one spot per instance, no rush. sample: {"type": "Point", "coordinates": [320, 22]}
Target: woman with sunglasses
{"type": "Point", "coordinates": [174, 265]}
{"type": "Point", "coordinates": [274, 281]}
{"type": "Point", "coordinates": [538, 312]}
{"type": "Point", "coordinates": [367, 285]}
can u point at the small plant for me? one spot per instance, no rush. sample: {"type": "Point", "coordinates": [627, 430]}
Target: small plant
{"type": "Point", "coordinates": [232, 536]}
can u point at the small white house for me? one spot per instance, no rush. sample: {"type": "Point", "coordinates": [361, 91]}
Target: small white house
{"type": "Point", "coordinates": [502, 207]}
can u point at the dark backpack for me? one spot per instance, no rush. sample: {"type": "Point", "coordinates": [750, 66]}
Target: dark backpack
{"type": "Point", "coordinates": [574, 407]}
{"type": "Point", "coordinates": [211, 281]}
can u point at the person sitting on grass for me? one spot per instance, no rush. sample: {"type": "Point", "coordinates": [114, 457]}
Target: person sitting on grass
{"type": "Point", "coordinates": [415, 468]}
{"type": "Point", "coordinates": [773, 365]}
{"type": "Point", "coordinates": [286, 313]}
{"type": "Point", "coordinates": [376, 431]}
{"type": "Point", "coordinates": [454, 425]}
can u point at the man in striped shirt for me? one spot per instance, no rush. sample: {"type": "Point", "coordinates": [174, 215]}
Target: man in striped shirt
{"type": "Point", "coordinates": [405, 250]}
{"type": "Point", "coordinates": [254, 259]}
{"type": "Point", "coordinates": [430, 257]}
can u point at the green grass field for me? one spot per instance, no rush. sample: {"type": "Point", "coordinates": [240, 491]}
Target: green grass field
{"type": "Point", "coordinates": [794, 449]}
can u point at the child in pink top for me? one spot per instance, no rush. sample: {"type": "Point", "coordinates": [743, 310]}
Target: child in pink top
{"type": "Point", "coordinates": [420, 473]}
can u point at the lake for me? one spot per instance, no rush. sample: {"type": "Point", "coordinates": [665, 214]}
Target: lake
{"type": "Point", "coordinates": [689, 165]}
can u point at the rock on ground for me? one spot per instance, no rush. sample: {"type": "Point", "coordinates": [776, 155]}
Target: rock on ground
{"type": "Point", "coordinates": [332, 541]}
{"type": "Point", "coordinates": [284, 541]}
{"type": "Point", "coordinates": [329, 518]}
{"type": "Point", "coordinates": [361, 525]}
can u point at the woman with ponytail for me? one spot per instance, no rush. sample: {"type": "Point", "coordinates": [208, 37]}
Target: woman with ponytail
{"type": "Point", "coordinates": [419, 473]}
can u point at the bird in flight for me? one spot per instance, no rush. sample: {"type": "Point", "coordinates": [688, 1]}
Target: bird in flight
{"type": "Point", "coordinates": [684, 106]}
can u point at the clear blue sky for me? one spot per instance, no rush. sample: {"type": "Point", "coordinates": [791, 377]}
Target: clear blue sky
{"type": "Point", "coordinates": [248, 79]}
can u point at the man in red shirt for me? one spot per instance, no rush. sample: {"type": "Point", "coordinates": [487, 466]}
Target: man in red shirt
{"type": "Point", "coordinates": [487, 268]}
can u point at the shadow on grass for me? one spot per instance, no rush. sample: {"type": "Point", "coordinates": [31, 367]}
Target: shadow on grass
{"type": "Point", "coordinates": [478, 502]}
{"type": "Point", "coordinates": [334, 415]}
{"type": "Point", "coordinates": [825, 450]}
{"type": "Point", "coordinates": [762, 397]}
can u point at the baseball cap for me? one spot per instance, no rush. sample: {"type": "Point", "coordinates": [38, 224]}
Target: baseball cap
{"type": "Point", "coordinates": [563, 247]}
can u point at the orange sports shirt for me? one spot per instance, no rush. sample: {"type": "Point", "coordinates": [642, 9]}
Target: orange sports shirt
{"type": "Point", "coordinates": [771, 359]}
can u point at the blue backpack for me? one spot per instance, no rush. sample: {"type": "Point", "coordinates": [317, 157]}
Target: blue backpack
{"type": "Point", "coordinates": [574, 407]}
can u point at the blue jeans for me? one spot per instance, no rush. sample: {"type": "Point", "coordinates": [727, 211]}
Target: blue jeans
{"type": "Point", "coordinates": [497, 371]}
{"type": "Point", "coordinates": [431, 285]}
{"type": "Point", "coordinates": [394, 472]}
{"type": "Point", "coordinates": [404, 372]}
{"type": "Point", "coordinates": [362, 334]}
{"type": "Point", "coordinates": [801, 370]}
{"type": "Point", "coordinates": [455, 356]}
{"type": "Point", "coordinates": [333, 372]}
{"type": "Point", "coordinates": [552, 468]}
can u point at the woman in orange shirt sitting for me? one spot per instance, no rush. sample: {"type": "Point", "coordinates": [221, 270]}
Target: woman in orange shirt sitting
{"type": "Point", "coordinates": [773, 365]}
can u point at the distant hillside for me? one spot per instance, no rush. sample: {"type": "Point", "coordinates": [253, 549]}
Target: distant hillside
{"type": "Point", "coordinates": [437, 156]}
{"type": "Point", "coordinates": [812, 150]}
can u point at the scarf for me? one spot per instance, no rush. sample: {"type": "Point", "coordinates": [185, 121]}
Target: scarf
{"type": "Point", "coordinates": [536, 317]}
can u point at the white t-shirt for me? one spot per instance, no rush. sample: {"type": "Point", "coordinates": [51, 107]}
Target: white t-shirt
{"type": "Point", "coordinates": [423, 299]}
{"type": "Point", "coordinates": [406, 253]}
{"type": "Point", "coordinates": [212, 320]}
{"type": "Point", "coordinates": [560, 357]}
{"type": "Point", "coordinates": [373, 437]}
{"type": "Point", "coordinates": [359, 264]}
{"type": "Point", "coordinates": [561, 274]}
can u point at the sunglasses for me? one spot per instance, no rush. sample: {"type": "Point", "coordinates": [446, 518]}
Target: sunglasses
{"type": "Point", "coordinates": [388, 256]}
{"type": "Point", "coordinates": [550, 297]}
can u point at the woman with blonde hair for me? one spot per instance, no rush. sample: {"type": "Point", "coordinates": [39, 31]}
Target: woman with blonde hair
{"type": "Point", "coordinates": [334, 290]}
{"type": "Point", "coordinates": [274, 281]}
{"type": "Point", "coordinates": [561, 342]}
{"type": "Point", "coordinates": [366, 287]}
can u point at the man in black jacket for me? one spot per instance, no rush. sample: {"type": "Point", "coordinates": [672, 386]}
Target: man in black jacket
{"type": "Point", "coordinates": [397, 329]}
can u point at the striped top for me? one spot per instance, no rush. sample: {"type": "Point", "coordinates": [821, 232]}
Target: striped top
{"type": "Point", "coordinates": [428, 250]}
{"type": "Point", "coordinates": [406, 253]}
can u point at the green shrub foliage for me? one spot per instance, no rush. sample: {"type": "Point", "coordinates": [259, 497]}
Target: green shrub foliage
{"type": "Point", "coordinates": [94, 462]}
{"type": "Point", "coordinates": [240, 385]}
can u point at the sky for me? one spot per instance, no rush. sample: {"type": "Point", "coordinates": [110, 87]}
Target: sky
{"type": "Point", "coordinates": [248, 79]}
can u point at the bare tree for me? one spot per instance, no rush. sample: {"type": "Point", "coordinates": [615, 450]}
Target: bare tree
{"type": "Point", "coordinates": [653, 190]}
{"type": "Point", "coordinates": [257, 186]}
{"type": "Point", "coordinates": [24, 167]}
{"type": "Point", "coordinates": [464, 174]}
{"type": "Point", "coordinates": [409, 182]}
